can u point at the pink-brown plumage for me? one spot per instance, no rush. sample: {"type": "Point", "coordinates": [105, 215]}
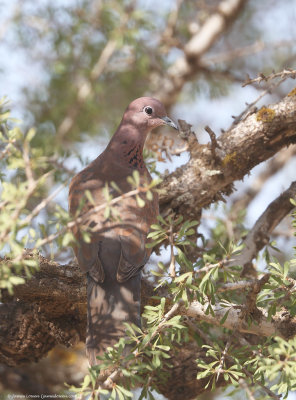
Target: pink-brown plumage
{"type": "Point", "coordinates": [116, 252]}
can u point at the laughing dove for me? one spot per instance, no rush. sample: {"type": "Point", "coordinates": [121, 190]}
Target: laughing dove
{"type": "Point", "coordinates": [115, 252]}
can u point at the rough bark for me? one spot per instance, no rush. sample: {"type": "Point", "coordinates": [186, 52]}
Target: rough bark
{"type": "Point", "coordinates": [49, 309]}
{"type": "Point", "coordinates": [204, 180]}
{"type": "Point", "coordinates": [33, 321]}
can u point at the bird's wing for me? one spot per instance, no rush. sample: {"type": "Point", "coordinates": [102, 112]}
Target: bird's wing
{"type": "Point", "coordinates": [89, 261]}
{"type": "Point", "coordinates": [117, 246]}
{"type": "Point", "coordinates": [87, 251]}
{"type": "Point", "coordinates": [133, 238]}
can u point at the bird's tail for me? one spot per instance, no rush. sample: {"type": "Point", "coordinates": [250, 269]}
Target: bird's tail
{"type": "Point", "coordinates": [110, 304]}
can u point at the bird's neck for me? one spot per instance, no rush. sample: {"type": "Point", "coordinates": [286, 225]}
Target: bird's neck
{"type": "Point", "coordinates": [127, 144]}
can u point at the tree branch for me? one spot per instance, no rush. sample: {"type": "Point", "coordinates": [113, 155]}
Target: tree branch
{"type": "Point", "coordinates": [187, 66]}
{"type": "Point", "coordinates": [202, 181]}
{"type": "Point", "coordinates": [286, 73]}
{"type": "Point", "coordinates": [280, 325]}
{"type": "Point", "coordinates": [244, 198]}
{"type": "Point", "coordinates": [258, 236]}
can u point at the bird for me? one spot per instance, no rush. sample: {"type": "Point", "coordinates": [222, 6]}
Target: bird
{"type": "Point", "coordinates": [115, 251]}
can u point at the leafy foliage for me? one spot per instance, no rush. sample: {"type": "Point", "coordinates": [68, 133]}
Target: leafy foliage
{"type": "Point", "coordinates": [269, 364]}
{"type": "Point", "coordinates": [20, 193]}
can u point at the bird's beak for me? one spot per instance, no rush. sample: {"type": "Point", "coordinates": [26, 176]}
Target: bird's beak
{"type": "Point", "coordinates": [169, 122]}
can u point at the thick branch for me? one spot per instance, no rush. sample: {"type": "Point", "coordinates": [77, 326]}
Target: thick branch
{"type": "Point", "coordinates": [51, 309]}
{"type": "Point", "coordinates": [280, 325]}
{"type": "Point", "coordinates": [274, 165]}
{"type": "Point", "coordinates": [259, 235]}
{"type": "Point", "coordinates": [202, 180]}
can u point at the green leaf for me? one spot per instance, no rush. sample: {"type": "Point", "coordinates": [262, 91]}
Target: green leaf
{"type": "Point", "coordinates": [156, 227]}
{"type": "Point", "coordinates": [31, 263]}
{"type": "Point", "coordinates": [107, 212]}
{"type": "Point", "coordinates": [160, 219]}
{"type": "Point", "coordinates": [115, 187]}
{"type": "Point", "coordinates": [30, 135]}
{"type": "Point", "coordinates": [203, 374]}
{"type": "Point", "coordinates": [126, 392]}
{"type": "Point", "coordinates": [136, 176]}
{"type": "Point", "coordinates": [113, 394]}
{"type": "Point", "coordinates": [286, 269]}
{"type": "Point", "coordinates": [149, 195]}
{"type": "Point", "coordinates": [154, 243]}
{"type": "Point", "coordinates": [86, 382]}
{"type": "Point", "coordinates": [89, 197]}
{"type": "Point", "coordinates": [140, 201]}
{"type": "Point", "coordinates": [223, 319]}
{"type": "Point", "coordinates": [16, 280]}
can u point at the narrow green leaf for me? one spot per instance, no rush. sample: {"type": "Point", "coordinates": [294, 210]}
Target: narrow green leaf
{"type": "Point", "coordinates": [223, 319]}
{"type": "Point", "coordinates": [140, 201]}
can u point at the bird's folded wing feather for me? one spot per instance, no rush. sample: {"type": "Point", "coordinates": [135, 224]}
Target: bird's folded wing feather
{"type": "Point", "coordinates": [128, 235]}
{"type": "Point", "coordinates": [88, 259]}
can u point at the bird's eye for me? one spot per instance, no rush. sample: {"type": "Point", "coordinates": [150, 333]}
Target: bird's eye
{"type": "Point", "coordinates": [148, 110]}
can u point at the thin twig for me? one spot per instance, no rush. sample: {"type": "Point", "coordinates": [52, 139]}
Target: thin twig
{"type": "Point", "coordinates": [172, 258]}
{"type": "Point", "coordinates": [251, 107]}
{"type": "Point", "coordinates": [109, 382]}
{"type": "Point", "coordinates": [235, 286]}
{"type": "Point", "coordinates": [265, 388]}
{"type": "Point", "coordinates": [18, 210]}
{"type": "Point", "coordinates": [229, 357]}
{"type": "Point", "coordinates": [286, 73]}
{"type": "Point", "coordinates": [7, 149]}
{"type": "Point", "coordinates": [164, 320]}
{"type": "Point", "coordinates": [234, 54]}
{"type": "Point", "coordinates": [208, 267]}
{"type": "Point", "coordinates": [246, 387]}
{"type": "Point", "coordinates": [256, 47]}
{"type": "Point", "coordinates": [79, 220]}
{"type": "Point", "coordinates": [223, 356]}
{"type": "Point", "coordinates": [43, 204]}
{"type": "Point", "coordinates": [168, 38]}
{"type": "Point", "coordinates": [28, 167]}
{"type": "Point", "coordinates": [60, 165]}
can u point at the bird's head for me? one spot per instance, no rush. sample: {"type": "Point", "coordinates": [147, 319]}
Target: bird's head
{"type": "Point", "coordinates": [147, 113]}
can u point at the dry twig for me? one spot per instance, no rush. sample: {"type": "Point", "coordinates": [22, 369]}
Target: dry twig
{"type": "Point", "coordinates": [286, 73]}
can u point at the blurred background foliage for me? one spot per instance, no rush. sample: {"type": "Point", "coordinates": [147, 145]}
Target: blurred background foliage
{"type": "Point", "coordinates": [69, 69]}
{"type": "Point", "coordinates": [89, 59]}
